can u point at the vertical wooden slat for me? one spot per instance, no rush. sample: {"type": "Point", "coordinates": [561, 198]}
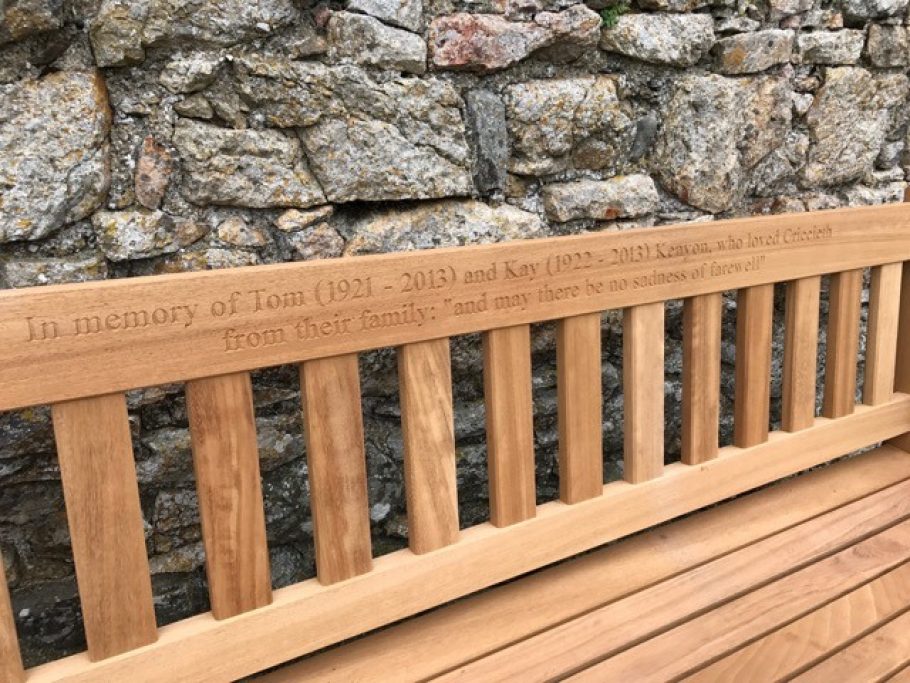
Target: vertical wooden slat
{"type": "Point", "coordinates": [510, 424]}
{"type": "Point", "coordinates": [226, 462]}
{"type": "Point", "coordinates": [902, 366]}
{"type": "Point", "coordinates": [751, 413]}
{"type": "Point", "coordinates": [843, 343]}
{"type": "Point", "coordinates": [425, 376]}
{"type": "Point", "coordinates": [337, 467]}
{"type": "Point", "coordinates": [881, 340]}
{"type": "Point", "coordinates": [580, 408]}
{"type": "Point", "coordinates": [105, 522]}
{"type": "Point", "coordinates": [10, 659]}
{"type": "Point", "coordinates": [801, 354]}
{"type": "Point", "coordinates": [701, 378]}
{"type": "Point", "coordinates": [643, 391]}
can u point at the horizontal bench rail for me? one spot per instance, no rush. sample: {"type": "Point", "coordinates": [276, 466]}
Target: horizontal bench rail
{"type": "Point", "coordinates": [321, 316]}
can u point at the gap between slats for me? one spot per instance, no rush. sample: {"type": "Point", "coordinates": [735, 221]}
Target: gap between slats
{"type": "Point", "coordinates": [226, 463]}
{"type": "Point", "coordinates": [10, 658]}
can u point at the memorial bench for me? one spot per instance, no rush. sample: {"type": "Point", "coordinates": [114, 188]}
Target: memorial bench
{"type": "Point", "coordinates": [809, 576]}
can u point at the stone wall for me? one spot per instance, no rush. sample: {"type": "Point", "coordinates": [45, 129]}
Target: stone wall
{"type": "Point", "coordinates": [158, 136]}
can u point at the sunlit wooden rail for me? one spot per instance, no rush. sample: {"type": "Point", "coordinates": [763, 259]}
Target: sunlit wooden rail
{"type": "Point", "coordinates": [80, 347]}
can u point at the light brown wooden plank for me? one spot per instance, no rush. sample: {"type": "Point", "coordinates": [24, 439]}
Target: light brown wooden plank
{"type": "Point", "coordinates": [501, 616]}
{"type": "Point", "coordinates": [611, 629]}
{"type": "Point", "coordinates": [844, 295]}
{"type": "Point", "coordinates": [902, 676]}
{"type": "Point", "coordinates": [643, 392]}
{"type": "Point", "coordinates": [800, 644]}
{"type": "Point", "coordinates": [580, 407]}
{"type": "Point", "coordinates": [881, 343]}
{"type": "Point", "coordinates": [309, 616]}
{"type": "Point", "coordinates": [336, 463]}
{"type": "Point", "coordinates": [226, 463]}
{"type": "Point", "coordinates": [902, 367]}
{"type": "Point", "coordinates": [676, 652]}
{"type": "Point", "coordinates": [752, 407]}
{"type": "Point", "coordinates": [10, 659]}
{"type": "Point", "coordinates": [105, 522]}
{"type": "Point", "coordinates": [591, 272]}
{"type": "Point", "coordinates": [701, 378]}
{"type": "Point", "coordinates": [510, 424]}
{"type": "Point", "coordinates": [425, 376]}
{"type": "Point", "coordinates": [800, 354]}
{"type": "Point", "coordinates": [876, 657]}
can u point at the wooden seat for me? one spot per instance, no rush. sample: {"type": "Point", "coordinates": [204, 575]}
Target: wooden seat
{"type": "Point", "coordinates": [646, 578]}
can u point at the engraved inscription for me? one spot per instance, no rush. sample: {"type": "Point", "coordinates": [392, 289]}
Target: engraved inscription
{"type": "Point", "coordinates": [310, 310]}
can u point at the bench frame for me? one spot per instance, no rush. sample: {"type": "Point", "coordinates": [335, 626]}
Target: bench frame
{"type": "Point", "coordinates": [79, 347]}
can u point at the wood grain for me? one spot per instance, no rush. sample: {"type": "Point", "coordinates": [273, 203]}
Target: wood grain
{"type": "Point", "coordinates": [643, 392]}
{"type": "Point", "coordinates": [510, 424]}
{"type": "Point", "coordinates": [105, 522]}
{"type": "Point", "coordinates": [425, 378]}
{"type": "Point", "coordinates": [876, 657]}
{"type": "Point", "coordinates": [684, 648]}
{"type": "Point", "coordinates": [499, 617]}
{"type": "Point", "coordinates": [800, 354]}
{"type": "Point", "coordinates": [800, 644]}
{"type": "Point", "coordinates": [902, 367]}
{"type": "Point", "coordinates": [336, 462]}
{"type": "Point", "coordinates": [752, 406]}
{"type": "Point", "coordinates": [881, 344]}
{"type": "Point", "coordinates": [226, 463]}
{"type": "Point", "coordinates": [10, 660]}
{"type": "Point", "coordinates": [612, 628]}
{"type": "Point", "coordinates": [580, 393]}
{"type": "Point", "coordinates": [701, 378]}
{"type": "Point", "coordinates": [127, 354]}
{"type": "Point", "coordinates": [309, 616]}
{"type": "Point", "coordinates": [845, 291]}
{"type": "Point", "coordinates": [902, 676]}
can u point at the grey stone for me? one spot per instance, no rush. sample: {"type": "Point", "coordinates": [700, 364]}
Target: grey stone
{"type": "Point", "coordinates": [186, 74]}
{"type": "Point", "coordinates": [677, 40]}
{"type": "Point", "coordinates": [749, 53]}
{"type": "Point", "coordinates": [317, 241]}
{"type": "Point", "coordinates": [127, 235]}
{"type": "Point", "coordinates": [365, 40]}
{"type": "Point", "coordinates": [52, 271]}
{"type": "Point", "coordinates": [22, 18]}
{"type": "Point", "coordinates": [259, 169]}
{"type": "Point", "coordinates": [153, 173]}
{"type": "Point", "coordinates": [123, 29]}
{"type": "Point", "coordinates": [195, 106]}
{"type": "Point", "coordinates": [675, 5]}
{"type": "Point", "coordinates": [486, 123]}
{"type": "Point", "coordinates": [445, 223]}
{"type": "Point", "coordinates": [404, 13]}
{"type": "Point", "coordinates": [786, 8]}
{"type": "Point", "coordinates": [603, 200]}
{"type": "Point", "coordinates": [560, 124]}
{"type": "Point", "coordinates": [737, 24]}
{"type": "Point", "coordinates": [842, 150]}
{"type": "Point", "coordinates": [716, 129]}
{"type": "Point", "coordinates": [862, 10]}
{"type": "Point", "coordinates": [54, 164]}
{"type": "Point", "coordinates": [237, 232]}
{"type": "Point", "coordinates": [294, 220]}
{"type": "Point", "coordinates": [830, 47]}
{"type": "Point", "coordinates": [888, 46]}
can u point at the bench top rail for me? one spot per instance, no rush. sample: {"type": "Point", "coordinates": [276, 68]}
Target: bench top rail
{"type": "Point", "coordinates": [81, 347]}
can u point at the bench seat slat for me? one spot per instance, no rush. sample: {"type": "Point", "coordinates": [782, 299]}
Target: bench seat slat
{"type": "Point", "coordinates": [425, 377]}
{"type": "Point", "coordinates": [510, 424]}
{"type": "Point", "coordinates": [580, 408]}
{"type": "Point", "coordinates": [226, 463]}
{"type": "Point", "coordinates": [333, 423]}
{"type": "Point", "coordinates": [10, 658]}
{"type": "Point", "coordinates": [881, 346]}
{"type": "Point", "coordinates": [800, 354]}
{"type": "Point", "coordinates": [843, 343]}
{"type": "Point", "coordinates": [880, 654]}
{"type": "Point", "coordinates": [643, 389]}
{"type": "Point", "coordinates": [754, 316]}
{"type": "Point", "coordinates": [798, 645]}
{"type": "Point", "coordinates": [105, 522]}
{"type": "Point", "coordinates": [701, 378]}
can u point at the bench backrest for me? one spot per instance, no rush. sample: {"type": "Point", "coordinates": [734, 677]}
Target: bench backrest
{"type": "Point", "coordinates": [80, 347]}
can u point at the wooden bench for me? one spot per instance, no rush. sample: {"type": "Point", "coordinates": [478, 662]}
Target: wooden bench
{"type": "Point", "coordinates": [809, 576]}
